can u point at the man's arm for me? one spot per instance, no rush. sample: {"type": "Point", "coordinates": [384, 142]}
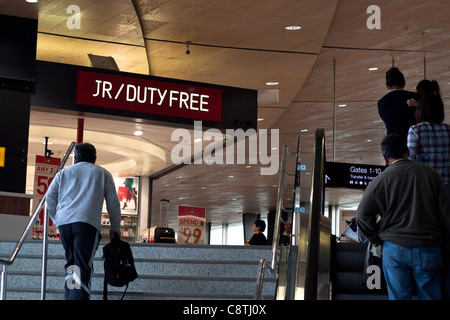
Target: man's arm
{"type": "Point", "coordinates": [112, 206]}
{"type": "Point", "coordinates": [413, 144]}
{"type": "Point", "coordinates": [366, 218]}
{"type": "Point", "coordinates": [444, 211]}
{"type": "Point", "coordinates": [51, 197]}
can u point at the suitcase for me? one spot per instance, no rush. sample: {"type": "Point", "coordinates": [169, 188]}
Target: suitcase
{"type": "Point", "coordinates": [164, 235]}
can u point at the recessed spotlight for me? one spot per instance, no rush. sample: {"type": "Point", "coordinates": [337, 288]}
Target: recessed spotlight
{"type": "Point", "coordinates": [433, 30]}
{"type": "Point", "coordinates": [304, 130]}
{"type": "Point", "coordinates": [32, 1]}
{"type": "Point", "coordinates": [272, 83]}
{"type": "Point", "coordinates": [260, 119]}
{"type": "Point", "coordinates": [230, 177]}
{"type": "Point", "coordinates": [49, 143]}
{"type": "Point", "coordinates": [373, 69]}
{"type": "Point", "coordinates": [293, 28]}
{"type": "Point", "coordinates": [138, 133]}
{"type": "Point", "coordinates": [342, 105]}
{"type": "Point", "coordinates": [368, 140]}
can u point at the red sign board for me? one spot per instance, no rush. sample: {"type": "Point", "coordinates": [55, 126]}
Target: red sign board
{"type": "Point", "coordinates": [148, 96]}
{"type": "Point", "coordinates": [44, 172]}
{"type": "Point", "coordinates": [191, 224]}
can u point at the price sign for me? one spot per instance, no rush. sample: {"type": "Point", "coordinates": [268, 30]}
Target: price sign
{"type": "Point", "coordinates": [43, 176]}
{"type": "Point", "coordinates": [191, 224]}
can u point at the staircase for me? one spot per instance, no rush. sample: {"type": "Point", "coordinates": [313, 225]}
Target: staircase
{"type": "Point", "coordinates": [348, 274]}
{"type": "Point", "coordinates": [166, 271]}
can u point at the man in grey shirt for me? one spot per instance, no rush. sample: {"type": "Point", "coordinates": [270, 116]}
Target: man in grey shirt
{"type": "Point", "coordinates": [74, 202]}
{"type": "Point", "coordinates": [414, 228]}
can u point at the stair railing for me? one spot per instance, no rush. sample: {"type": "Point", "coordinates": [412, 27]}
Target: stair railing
{"type": "Point", "coordinates": [319, 230]}
{"type": "Point", "coordinates": [273, 267]}
{"type": "Point", "coordinates": [9, 261]}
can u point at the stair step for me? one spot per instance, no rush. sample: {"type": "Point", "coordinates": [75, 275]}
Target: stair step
{"type": "Point", "coordinates": [151, 266]}
{"type": "Point", "coordinates": [58, 294]}
{"type": "Point", "coordinates": [166, 271]}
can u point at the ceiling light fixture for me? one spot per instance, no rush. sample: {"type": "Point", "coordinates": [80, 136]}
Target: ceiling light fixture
{"type": "Point", "coordinates": [433, 30]}
{"type": "Point", "coordinates": [138, 133]}
{"type": "Point", "coordinates": [32, 1]}
{"type": "Point", "coordinates": [373, 69]}
{"type": "Point", "coordinates": [342, 105]}
{"type": "Point", "coordinates": [260, 119]}
{"type": "Point", "coordinates": [293, 28]}
{"type": "Point", "coordinates": [272, 83]}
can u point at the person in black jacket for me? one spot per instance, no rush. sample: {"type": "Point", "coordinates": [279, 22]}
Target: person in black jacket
{"type": "Point", "coordinates": [258, 238]}
{"type": "Point", "coordinates": [393, 107]}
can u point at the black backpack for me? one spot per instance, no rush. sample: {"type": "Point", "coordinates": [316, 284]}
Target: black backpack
{"type": "Point", "coordinates": [119, 266]}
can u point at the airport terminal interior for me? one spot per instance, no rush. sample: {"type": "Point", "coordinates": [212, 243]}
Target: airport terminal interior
{"type": "Point", "coordinates": [311, 66]}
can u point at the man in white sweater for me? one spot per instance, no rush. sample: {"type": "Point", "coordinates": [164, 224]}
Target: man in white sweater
{"type": "Point", "coordinates": [74, 203]}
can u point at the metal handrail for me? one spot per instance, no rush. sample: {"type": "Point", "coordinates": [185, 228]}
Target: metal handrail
{"type": "Point", "coordinates": [260, 278]}
{"type": "Point", "coordinates": [317, 207]}
{"type": "Point", "coordinates": [272, 268]}
{"type": "Point", "coordinates": [276, 233]}
{"type": "Point", "coordinates": [27, 230]}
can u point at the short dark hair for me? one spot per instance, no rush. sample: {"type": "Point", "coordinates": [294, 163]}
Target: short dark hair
{"type": "Point", "coordinates": [85, 152]}
{"type": "Point", "coordinates": [261, 224]}
{"type": "Point", "coordinates": [394, 147]}
{"type": "Point", "coordinates": [395, 78]}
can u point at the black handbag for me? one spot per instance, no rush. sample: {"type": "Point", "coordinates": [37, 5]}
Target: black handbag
{"type": "Point", "coordinates": [118, 265]}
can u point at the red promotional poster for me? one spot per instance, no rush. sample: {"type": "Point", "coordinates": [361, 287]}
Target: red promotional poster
{"type": "Point", "coordinates": [45, 171]}
{"type": "Point", "coordinates": [191, 224]}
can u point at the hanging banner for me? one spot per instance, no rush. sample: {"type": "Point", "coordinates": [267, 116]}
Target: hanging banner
{"type": "Point", "coordinates": [45, 171]}
{"type": "Point", "coordinates": [191, 224]}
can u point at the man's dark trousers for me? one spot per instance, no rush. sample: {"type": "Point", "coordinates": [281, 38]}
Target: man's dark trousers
{"type": "Point", "coordinates": [80, 241]}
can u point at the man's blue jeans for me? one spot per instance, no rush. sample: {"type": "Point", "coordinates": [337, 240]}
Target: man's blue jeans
{"type": "Point", "coordinates": [406, 267]}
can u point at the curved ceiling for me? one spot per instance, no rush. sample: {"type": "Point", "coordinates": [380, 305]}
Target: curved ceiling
{"type": "Point", "coordinates": [322, 70]}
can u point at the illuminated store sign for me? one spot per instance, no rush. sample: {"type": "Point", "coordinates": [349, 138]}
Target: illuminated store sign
{"type": "Point", "coordinates": [350, 175]}
{"type": "Point", "coordinates": [148, 96]}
